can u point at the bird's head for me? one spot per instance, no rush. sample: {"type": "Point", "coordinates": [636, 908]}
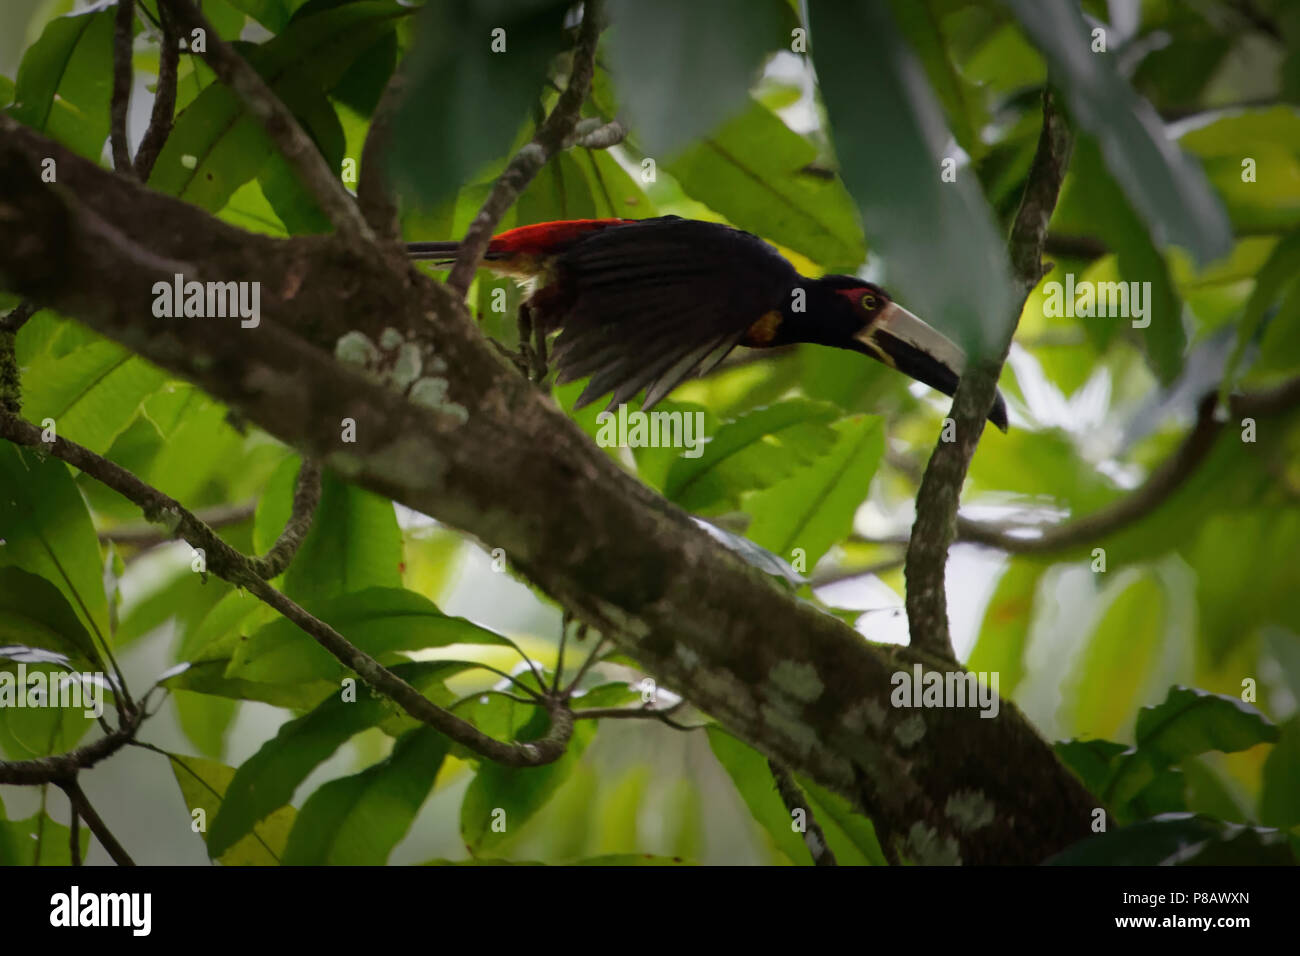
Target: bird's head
{"type": "Point", "coordinates": [849, 313]}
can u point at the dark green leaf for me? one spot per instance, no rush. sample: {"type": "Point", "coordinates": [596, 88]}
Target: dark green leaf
{"type": "Point", "coordinates": [946, 261]}
{"type": "Point", "coordinates": [813, 509]}
{"type": "Point", "coordinates": [267, 780]}
{"type": "Point", "coordinates": [465, 103]}
{"type": "Point", "coordinates": [357, 820]}
{"type": "Point", "coordinates": [753, 452]}
{"type": "Point", "coordinates": [755, 171]}
{"type": "Point", "coordinates": [1181, 839]}
{"type": "Point", "coordinates": [46, 530]}
{"type": "Point", "coordinates": [1166, 187]}
{"type": "Point", "coordinates": [675, 80]}
{"type": "Point", "coordinates": [380, 621]}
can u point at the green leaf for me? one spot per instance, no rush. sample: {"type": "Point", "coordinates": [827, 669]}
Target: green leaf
{"type": "Point", "coordinates": [216, 146]}
{"type": "Point", "coordinates": [1092, 760]}
{"type": "Point", "coordinates": [1271, 283]}
{"type": "Point", "coordinates": [850, 835]}
{"type": "Point", "coordinates": [890, 138]}
{"type": "Point", "coordinates": [33, 612]}
{"type": "Point", "coordinates": [354, 542]}
{"type": "Point", "coordinates": [1279, 798]}
{"type": "Point", "coordinates": [755, 451]}
{"type": "Point", "coordinates": [71, 65]}
{"type": "Point", "coordinates": [272, 14]}
{"type": "Point", "coordinates": [1164, 339]}
{"type": "Point", "coordinates": [1181, 839]}
{"type": "Point", "coordinates": [1121, 655]}
{"type": "Point", "coordinates": [380, 621]}
{"type": "Point", "coordinates": [38, 841]}
{"type": "Point", "coordinates": [1189, 722]}
{"type": "Point", "coordinates": [357, 820]}
{"type": "Point", "coordinates": [46, 530]}
{"type": "Point", "coordinates": [813, 509]}
{"type": "Point", "coordinates": [501, 800]}
{"type": "Point", "coordinates": [267, 780]}
{"type": "Point", "coordinates": [203, 785]}
{"type": "Point", "coordinates": [92, 393]}
{"type": "Point", "coordinates": [761, 175]}
{"type": "Point", "coordinates": [676, 82]}
{"type": "Point", "coordinates": [482, 96]}
{"type": "Point", "coordinates": [748, 770]}
{"type": "Point", "coordinates": [1163, 184]}
{"type": "Point", "coordinates": [1004, 635]}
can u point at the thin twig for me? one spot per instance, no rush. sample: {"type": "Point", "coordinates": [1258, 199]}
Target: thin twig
{"type": "Point", "coordinates": [529, 160]}
{"type": "Point", "coordinates": [148, 535]}
{"type": "Point", "coordinates": [306, 496]}
{"type": "Point", "coordinates": [280, 125]}
{"type": "Point", "coordinates": [937, 499]}
{"type": "Point", "coordinates": [81, 807]}
{"type": "Point", "coordinates": [164, 100]}
{"type": "Point", "coordinates": [120, 104]}
{"type": "Point", "coordinates": [1167, 478]}
{"type": "Point", "coordinates": [794, 800]}
{"type": "Point", "coordinates": [586, 666]}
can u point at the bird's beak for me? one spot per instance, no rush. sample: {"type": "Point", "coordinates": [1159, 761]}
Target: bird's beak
{"type": "Point", "coordinates": [901, 340]}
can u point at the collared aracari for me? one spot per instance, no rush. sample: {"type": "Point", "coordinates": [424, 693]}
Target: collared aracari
{"type": "Point", "coordinates": [641, 304]}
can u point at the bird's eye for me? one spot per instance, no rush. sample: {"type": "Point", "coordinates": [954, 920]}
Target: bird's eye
{"type": "Point", "coordinates": [869, 302]}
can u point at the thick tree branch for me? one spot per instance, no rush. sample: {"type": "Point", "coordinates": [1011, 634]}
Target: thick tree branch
{"type": "Point", "coordinates": [937, 500]}
{"type": "Point", "coordinates": [796, 683]}
{"type": "Point", "coordinates": [164, 100]}
{"type": "Point", "coordinates": [285, 132]}
{"type": "Point", "coordinates": [528, 161]}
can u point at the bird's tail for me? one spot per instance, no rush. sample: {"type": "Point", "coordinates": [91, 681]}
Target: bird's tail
{"type": "Point", "coordinates": [445, 252]}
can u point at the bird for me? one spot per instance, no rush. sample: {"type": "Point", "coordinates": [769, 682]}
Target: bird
{"type": "Point", "coordinates": [645, 303]}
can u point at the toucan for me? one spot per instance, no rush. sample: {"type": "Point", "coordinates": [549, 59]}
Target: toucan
{"type": "Point", "coordinates": [644, 303]}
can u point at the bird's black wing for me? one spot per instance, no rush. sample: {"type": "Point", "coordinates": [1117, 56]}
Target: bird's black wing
{"type": "Point", "coordinates": [647, 304]}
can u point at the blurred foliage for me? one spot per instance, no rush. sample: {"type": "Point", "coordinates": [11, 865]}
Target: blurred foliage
{"type": "Point", "coordinates": [1165, 656]}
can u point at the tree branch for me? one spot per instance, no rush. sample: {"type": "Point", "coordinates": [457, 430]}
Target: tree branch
{"type": "Point", "coordinates": [296, 146]}
{"type": "Point", "coordinates": [528, 161]}
{"type": "Point", "coordinates": [937, 500]}
{"type": "Point", "coordinates": [1166, 479]}
{"type": "Point", "coordinates": [120, 104]}
{"type": "Point", "coordinates": [796, 683]}
{"type": "Point", "coordinates": [306, 496]}
{"type": "Point", "coordinates": [164, 100]}
{"type": "Point", "coordinates": [228, 564]}
{"type": "Point", "coordinates": [82, 809]}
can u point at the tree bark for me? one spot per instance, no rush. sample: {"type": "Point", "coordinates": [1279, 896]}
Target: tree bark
{"type": "Point", "coordinates": [483, 451]}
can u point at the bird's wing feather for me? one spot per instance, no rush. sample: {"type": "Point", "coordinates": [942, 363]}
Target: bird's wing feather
{"type": "Point", "coordinates": [649, 303]}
